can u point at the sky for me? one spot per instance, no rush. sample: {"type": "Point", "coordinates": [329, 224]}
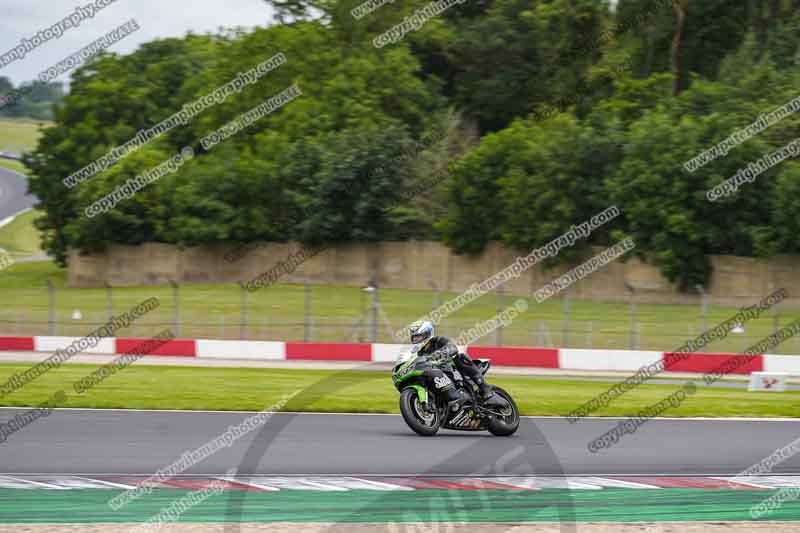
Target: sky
{"type": "Point", "coordinates": [156, 18]}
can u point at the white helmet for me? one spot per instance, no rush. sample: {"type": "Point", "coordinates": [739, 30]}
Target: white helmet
{"type": "Point", "coordinates": [420, 331]}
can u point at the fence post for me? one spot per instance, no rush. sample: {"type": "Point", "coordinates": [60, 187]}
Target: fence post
{"type": "Point", "coordinates": [109, 301]}
{"type": "Point", "coordinates": [176, 299]}
{"type": "Point", "coordinates": [565, 330]}
{"type": "Point", "coordinates": [498, 295]}
{"type": "Point", "coordinates": [704, 323]}
{"type": "Point", "coordinates": [222, 326]}
{"type": "Point", "coordinates": [373, 310]}
{"type": "Point", "coordinates": [776, 316]}
{"type": "Point", "coordinates": [373, 326]}
{"type": "Point", "coordinates": [544, 336]}
{"type": "Point", "coordinates": [51, 308]}
{"type": "Point", "coordinates": [633, 339]}
{"type": "Point", "coordinates": [242, 312]}
{"type": "Point", "coordinates": [306, 311]}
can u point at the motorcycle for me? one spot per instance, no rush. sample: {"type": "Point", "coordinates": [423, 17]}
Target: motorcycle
{"type": "Point", "coordinates": [425, 410]}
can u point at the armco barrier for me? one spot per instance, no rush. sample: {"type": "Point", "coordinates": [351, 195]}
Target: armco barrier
{"type": "Point", "coordinates": [567, 358]}
{"type": "Point", "coordinates": [258, 350]}
{"type": "Point", "coordinates": [177, 347]}
{"type": "Point", "coordinates": [537, 357]}
{"type": "Point", "coordinates": [386, 353]}
{"type": "Point", "coordinates": [782, 363]}
{"type": "Point", "coordinates": [24, 344]}
{"type": "Point", "coordinates": [328, 351]}
{"type": "Point", "coordinates": [51, 344]}
{"type": "Point", "coordinates": [708, 362]}
{"type": "Point", "coordinates": [623, 360]}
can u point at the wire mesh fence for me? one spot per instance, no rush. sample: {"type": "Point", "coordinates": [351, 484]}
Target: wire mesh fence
{"type": "Point", "coordinates": [317, 313]}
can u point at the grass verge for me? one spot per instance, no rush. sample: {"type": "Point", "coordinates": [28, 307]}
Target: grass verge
{"type": "Point", "coordinates": [247, 389]}
{"type": "Point", "coordinates": [20, 135]}
{"type": "Point", "coordinates": [20, 238]}
{"type": "Point", "coordinates": [16, 166]}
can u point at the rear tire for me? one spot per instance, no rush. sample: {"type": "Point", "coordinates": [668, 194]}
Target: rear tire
{"type": "Point", "coordinates": [508, 425]}
{"type": "Point", "coordinates": [425, 424]}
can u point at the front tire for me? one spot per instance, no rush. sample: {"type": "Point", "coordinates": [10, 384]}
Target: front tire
{"type": "Point", "coordinates": [423, 423]}
{"type": "Point", "coordinates": [507, 425]}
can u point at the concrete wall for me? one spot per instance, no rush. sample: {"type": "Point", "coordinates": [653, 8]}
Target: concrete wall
{"type": "Point", "coordinates": [421, 265]}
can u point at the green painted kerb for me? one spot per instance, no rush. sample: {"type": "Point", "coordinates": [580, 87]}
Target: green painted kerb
{"type": "Point", "coordinates": [607, 505]}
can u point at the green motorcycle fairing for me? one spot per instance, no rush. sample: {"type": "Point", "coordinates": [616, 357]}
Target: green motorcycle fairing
{"type": "Point", "coordinates": [422, 392]}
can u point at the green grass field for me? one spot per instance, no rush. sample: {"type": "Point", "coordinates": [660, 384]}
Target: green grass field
{"type": "Point", "coordinates": [19, 238]}
{"type": "Point", "coordinates": [277, 313]}
{"type": "Point", "coordinates": [20, 135]}
{"type": "Point", "coordinates": [13, 165]}
{"type": "Point", "coordinates": [170, 387]}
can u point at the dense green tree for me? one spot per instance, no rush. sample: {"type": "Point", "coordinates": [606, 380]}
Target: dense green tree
{"type": "Point", "coordinates": [527, 184]}
{"type": "Point", "coordinates": [667, 211]}
{"type": "Point", "coordinates": [29, 100]}
{"type": "Point", "coordinates": [711, 29]}
{"type": "Point", "coordinates": [359, 89]}
{"type": "Point", "coordinates": [517, 55]}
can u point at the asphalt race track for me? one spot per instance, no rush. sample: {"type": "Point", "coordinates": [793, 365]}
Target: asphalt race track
{"type": "Point", "coordinates": [79, 441]}
{"type": "Point", "coordinates": [13, 193]}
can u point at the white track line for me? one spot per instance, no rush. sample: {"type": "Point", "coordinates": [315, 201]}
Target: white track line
{"type": "Point", "coordinates": [345, 483]}
{"type": "Point", "coordinates": [732, 475]}
{"type": "Point", "coordinates": [247, 483]}
{"type": "Point", "coordinates": [109, 483]}
{"type": "Point", "coordinates": [738, 482]}
{"type": "Point", "coordinates": [39, 483]}
{"type": "Point", "coordinates": [310, 483]}
{"type": "Point", "coordinates": [382, 486]}
{"type": "Point", "coordinates": [608, 482]}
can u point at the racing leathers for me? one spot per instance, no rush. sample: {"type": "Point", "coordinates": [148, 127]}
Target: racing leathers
{"type": "Point", "coordinates": [441, 349]}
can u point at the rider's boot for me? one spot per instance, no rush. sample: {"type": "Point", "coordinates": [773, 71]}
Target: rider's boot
{"type": "Point", "coordinates": [467, 366]}
{"type": "Point", "coordinates": [489, 397]}
{"type": "Point", "coordinates": [486, 390]}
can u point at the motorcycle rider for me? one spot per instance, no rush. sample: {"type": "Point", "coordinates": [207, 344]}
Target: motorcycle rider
{"type": "Point", "coordinates": [441, 349]}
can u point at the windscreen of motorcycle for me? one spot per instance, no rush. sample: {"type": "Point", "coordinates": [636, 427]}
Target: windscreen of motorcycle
{"type": "Point", "coordinates": [404, 356]}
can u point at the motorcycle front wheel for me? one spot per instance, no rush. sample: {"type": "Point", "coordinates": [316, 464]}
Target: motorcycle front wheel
{"type": "Point", "coordinates": [421, 421]}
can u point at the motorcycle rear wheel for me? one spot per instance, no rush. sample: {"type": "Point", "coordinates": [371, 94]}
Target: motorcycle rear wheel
{"type": "Point", "coordinates": [507, 425]}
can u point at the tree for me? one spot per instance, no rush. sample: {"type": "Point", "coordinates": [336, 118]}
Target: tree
{"type": "Point", "coordinates": [353, 186]}
{"type": "Point", "coordinates": [500, 65]}
{"type": "Point", "coordinates": [528, 184]}
{"type": "Point", "coordinates": [364, 89]}
{"type": "Point", "coordinates": [680, 13]}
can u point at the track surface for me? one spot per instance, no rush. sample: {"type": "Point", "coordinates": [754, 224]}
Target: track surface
{"type": "Point", "coordinates": [14, 195]}
{"type": "Point", "coordinates": [141, 442]}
